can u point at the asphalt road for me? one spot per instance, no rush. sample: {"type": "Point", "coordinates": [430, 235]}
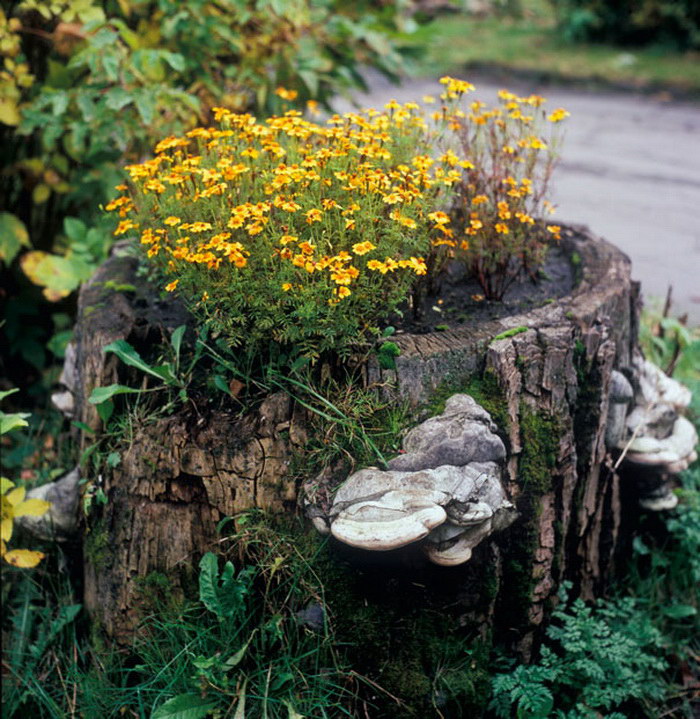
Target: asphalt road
{"type": "Point", "coordinates": [629, 169]}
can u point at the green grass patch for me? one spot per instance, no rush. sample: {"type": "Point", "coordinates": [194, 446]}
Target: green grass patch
{"type": "Point", "coordinates": [533, 44]}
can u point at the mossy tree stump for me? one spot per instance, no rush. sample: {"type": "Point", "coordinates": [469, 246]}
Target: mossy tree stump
{"type": "Point", "coordinates": [543, 375]}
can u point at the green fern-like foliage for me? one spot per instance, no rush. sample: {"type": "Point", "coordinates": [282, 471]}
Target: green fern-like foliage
{"type": "Point", "coordinates": [597, 659]}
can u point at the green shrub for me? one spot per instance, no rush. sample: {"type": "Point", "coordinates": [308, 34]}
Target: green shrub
{"type": "Point", "coordinates": [628, 22]}
{"type": "Point", "coordinates": [88, 84]}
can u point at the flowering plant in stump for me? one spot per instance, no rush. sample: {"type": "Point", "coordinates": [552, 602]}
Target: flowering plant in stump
{"type": "Point", "coordinates": [308, 235]}
{"type": "Point", "coordinates": [511, 151]}
{"type": "Point", "coordinates": [289, 230]}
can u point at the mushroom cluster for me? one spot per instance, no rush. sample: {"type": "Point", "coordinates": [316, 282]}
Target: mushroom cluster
{"type": "Point", "coordinates": [444, 489]}
{"type": "Point", "coordinates": [645, 422]}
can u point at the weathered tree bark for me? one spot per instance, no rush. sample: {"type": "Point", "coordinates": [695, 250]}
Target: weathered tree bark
{"type": "Point", "coordinates": [546, 385]}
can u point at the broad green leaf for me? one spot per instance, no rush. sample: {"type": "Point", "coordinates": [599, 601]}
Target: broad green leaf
{"type": "Point", "coordinates": [208, 578]}
{"type": "Point", "coordinates": [13, 236]}
{"type": "Point", "coordinates": [128, 355]}
{"type": "Point", "coordinates": [235, 659]}
{"type": "Point", "coordinates": [60, 275]}
{"type": "Point", "coordinates": [146, 106]}
{"type": "Point", "coordinates": [184, 706]}
{"type": "Point", "coordinates": [175, 60]}
{"type": "Point", "coordinates": [176, 339]}
{"type": "Point", "coordinates": [8, 422]}
{"type": "Point", "coordinates": [105, 410]}
{"type": "Point", "coordinates": [23, 558]}
{"type": "Point", "coordinates": [117, 97]}
{"type": "Point", "coordinates": [680, 611]}
{"type": "Point", "coordinates": [102, 394]}
{"type": "Point", "coordinates": [7, 393]}
{"type": "Point", "coordinates": [74, 228]}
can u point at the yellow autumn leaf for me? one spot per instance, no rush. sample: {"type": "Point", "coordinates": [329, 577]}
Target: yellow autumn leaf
{"type": "Point", "coordinates": [16, 496]}
{"type": "Point", "coordinates": [32, 508]}
{"type": "Point", "coordinates": [6, 531]}
{"type": "Point", "coordinates": [5, 484]}
{"type": "Point", "coordinates": [23, 558]}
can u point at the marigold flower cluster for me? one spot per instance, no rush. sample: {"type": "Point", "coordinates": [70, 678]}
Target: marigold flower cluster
{"type": "Point", "coordinates": [308, 231]}
{"type": "Point", "coordinates": [300, 213]}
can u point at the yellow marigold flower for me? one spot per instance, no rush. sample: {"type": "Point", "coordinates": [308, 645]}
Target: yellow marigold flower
{"type": "Point", "coordinates": [205, 296]}
{"type": "Point", "coordinates": [285, 94]}
{"type": "Point", "coordinates": [501, 228]}
{"type": "Point", "coordinates": [377, 265]}
{"type": "Point", "coordinates": [125, 226]}
{"type": "Point", "coordinates": [286, 287]}
{"type": "Point", "coordinates": [307, 248]}
{"type": "Point", "coordinates": [287, 239]}
{"type": "Point", "coordinates": [148, 237]}
{"type": "Point", "coordinates": [314, 215]}
{"type": "Point", "coordinates": [172, 220]}
{"type": "Point", "coordinates": [479, 199]}
{"type": "Point", "coordinates": [153, 250]}
{"type": "Point", "coordinates": [439, 218]}
{"type": "Point", "coordinates": [508, 150]}
{"type": "Point", "coordinates": [428, 99]}
{"type": "Point", "coordinates": [558, 115]}
{"type": "Point", "coordinates": [349, 224]}
{"type": "Point", "coordinates": [312, 107]}
{"type": "Point", "coordinates": [196, 226]}
{"type": "Point", "coordinates": [171, 286]}
{"type": "Point", "coordinates": [329, 204]}
{"type": "Point", "coordinates": [555, 230]}
{"type": "Point", "coordinates": [343, 292]}
{"type": "Point", "coordinates": [362, 248]}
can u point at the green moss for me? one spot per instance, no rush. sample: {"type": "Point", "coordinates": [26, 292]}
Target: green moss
{"type": "Point", "coordinates": [97, 546]}
{"type": "Point", "coordinates": [511, 332]}
{"type": "Point", "coordinates": [540, 441]}
{"type": "Point", "coordinates": [485, 390]}
{"type": "Point", "coordinates": [158, 593]}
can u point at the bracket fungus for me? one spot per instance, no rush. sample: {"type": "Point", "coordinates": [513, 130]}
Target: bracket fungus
{"type": "Point", "coordinates": [649, 428]}
{"type": "Point", "coordinates": [445, 489]}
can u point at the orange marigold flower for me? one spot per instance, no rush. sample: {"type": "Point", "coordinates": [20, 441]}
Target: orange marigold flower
{"type": "Point", "coordinates": [171, 286]}
{"type": "Point", "coordinates": [501, 228]}
{"type": "Point", "coordinates": [286, 287]}
{"type": "Point", "coordinates": [479, 199]}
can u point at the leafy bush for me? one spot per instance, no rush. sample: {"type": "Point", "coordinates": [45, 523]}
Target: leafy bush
{"type": "Point", "coordinates": [597, 659]}
{"type": "Point", "coordinates": [668, 22]}
{"type": "Point", "coordinates": [85, 84]}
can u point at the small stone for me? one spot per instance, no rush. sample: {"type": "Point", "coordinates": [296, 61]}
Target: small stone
{"type": "Point", "coordinates": [60, 523]}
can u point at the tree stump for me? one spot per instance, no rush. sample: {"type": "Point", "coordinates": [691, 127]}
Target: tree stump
{"type": "Point", "coordinates": [544, 376]}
